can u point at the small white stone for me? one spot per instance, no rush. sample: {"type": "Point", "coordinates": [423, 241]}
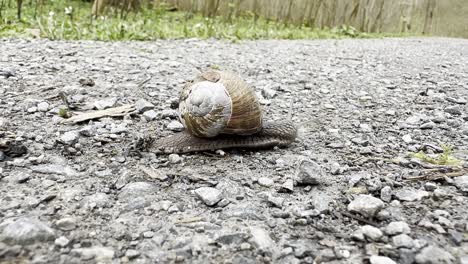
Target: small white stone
{"type": "Point", "coordinates": [407, 139]}
{"type": "Point", "coordinates": [174, 158]}
{"type": "Point", "coordinates": [62, 241]}
{"type": "Point", "coordinates": [175, 126]}
{"type": "Point", "coordinates": [381, 260]}
{"type": "Point", "coordinates": [266, 182]}
{"type": "Point", "coordinates": [43, 106]}
{"type": "Point", "coordinates": [69, 138]}
{"type": "Point", "coordinates": [150, 115]}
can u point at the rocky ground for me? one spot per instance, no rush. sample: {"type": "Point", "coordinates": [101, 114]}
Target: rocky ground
{"type": "Point", "coordinates": [347, 191]}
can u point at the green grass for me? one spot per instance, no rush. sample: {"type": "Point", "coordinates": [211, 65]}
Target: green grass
{"type": "Point", "coordinates": [53, 22]}
{"type": "Point", "coordinates": [444, 158]}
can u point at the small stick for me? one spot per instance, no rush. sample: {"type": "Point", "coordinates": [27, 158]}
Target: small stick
{"type": "Point", "coordinates": [358, 218]}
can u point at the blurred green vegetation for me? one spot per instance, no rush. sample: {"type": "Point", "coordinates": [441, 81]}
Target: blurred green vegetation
{"type": "Point", "coordinates": [72, 20]}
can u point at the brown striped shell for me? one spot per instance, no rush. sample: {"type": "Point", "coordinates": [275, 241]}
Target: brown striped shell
{"type": "Point", "coordinates": [219, 102]}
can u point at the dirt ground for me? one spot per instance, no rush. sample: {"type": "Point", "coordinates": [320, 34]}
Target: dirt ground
{"type": "Point", "coordinates": [350, 189]}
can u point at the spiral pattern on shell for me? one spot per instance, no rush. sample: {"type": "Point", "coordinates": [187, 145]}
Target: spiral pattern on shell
{"type": "Point", "coordinates": [219, 103]}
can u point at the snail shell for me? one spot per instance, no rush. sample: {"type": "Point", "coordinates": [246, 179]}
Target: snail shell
{"type": "Point", "coordinates": [219, 103]}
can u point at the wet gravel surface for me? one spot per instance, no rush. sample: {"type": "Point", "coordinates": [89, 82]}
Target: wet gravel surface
{"type": "Point", "coordinates": [347, 191]}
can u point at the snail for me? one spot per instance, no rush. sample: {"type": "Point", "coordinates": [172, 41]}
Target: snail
{"type": "Point", "coordinates": [220, 111]}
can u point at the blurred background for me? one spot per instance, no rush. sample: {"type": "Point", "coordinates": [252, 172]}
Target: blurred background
{"type": "Point", "coordinates": [232, 19]}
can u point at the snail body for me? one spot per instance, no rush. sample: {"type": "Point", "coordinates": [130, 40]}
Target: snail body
{"type": "Point", "coordinates": [219, 111]}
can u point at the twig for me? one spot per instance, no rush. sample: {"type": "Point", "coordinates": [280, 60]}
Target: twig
{"type": "Point", "coordinates": [439, 176]}
{"type": "Point", "coordinates": [116, 111]}
{"type": "Point", "coordinates": [64, 100]}
{"type": "Point", "coordinates": [358, 218]}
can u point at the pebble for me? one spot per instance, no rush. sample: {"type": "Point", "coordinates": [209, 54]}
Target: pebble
{"type": "Point", "coordinates": [62, 241]}
{"type": "Point", "coordinates": [55, 169]}
{"type": "Point", "coordinates": [99, 254]}
{"type": "Point", "coordinates": [143, 105]}
{"type": "Point", "coordinates": [373, 233]}
{"type": "Point", "coordinates": [397, 227]}
{"type": "Point", "coordinates": [457, 100]}
{"type": "Point", "coordinates": [106, 103]}
{"type": "Point", "coordinates": [288, 186]}
{"type": "Point", "coordinates": [174, 158]}
{"type": "Point", "coordinates": [410, 195]}
{"type": "Point", "coordinates": [137, 189]}
{"type": "Point", "coordinates": [66, 224]}
{"type": "Point", "coordinates": [434, 255]}
{"type": "Point", "coordinates": [453, 110]}
{"type": "Point", "coordinates": [428, 125]}
{"type": "Point", "coordinates": [265, 181]}
{"type": "Point", "coordinates": [268, 93]}
{"type": "Point", "coordinates": [430, 186]}
{"type": "Point", "coordinates": [70, 137]}
{"type": "Point", "coordinates": [366, 205]}
{"type": "Point", "coordinates": [310, 173]}
{"type": "Point", "coordinates": [43, 106]}
{"type": "Point", "coordinates": [175, 126]}
{"type": "Point", "coordinates": [386, 194]}
{"type": "Point", "coordinates": [407, 139]}
{"type": "Point", "coordinates": [150, 115]}
{"type": "Point", "coordinates": [381, 260]}
{"type": "Point", "coordinates": [26, 231]}
{"type": "Point", "coordinates": [261, 239]}
{"type": "Point", "coordinates": [131, 253]}
{"type": "Point", "coordinates": [402, 241]}
{"type": "Point", "coordinates": [169, 113]}
{"type": "Point", "coordinates": [461, 183]}
{"type": "Point", "coordinates": [210, 196]}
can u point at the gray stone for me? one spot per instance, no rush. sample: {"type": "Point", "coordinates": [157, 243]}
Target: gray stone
{"type": "Point", "coordinates": [381, 260]}
{"type": "Point", "coordinates": [373, 233]}
{"type": "Point", "coordinates": [464, 259]}
{"type": "Point", "coordinates": [457, 100]}
{"type": "Point", "coordinates": [288, 186]}
{"type": "Point", "coordinates": [430, 186]}
{"type": "Point", "coordinates": [169, 113]}
{"type": "Point", "coordinates": [87, 131]}
{"type": "Point", "coordinates": [397, 227]}
{"type": "Point", "coordinates": [106, 103]}
{"type": "Point", "coordinates": [142, 106]}
{"type": "Point", "coordinates": [262, 240]}
{"type": "Point", "coordinates": [150, 115]}
{"type": "Point", "coordinates": [99, 254]}
{"type": "Point", "coordinates": [434, 255]}
{"type": "Point", "coordinates": [25, 231]}
{"type": "Point", "coordinates": [428, 125]}
{"type": "Point", "coordinates": [310, 173]}
{"type": "Point", "coordinates": [366, 205]}
{"type": "Point", "coordinates": [453, 110]}
{"type": "Point", "coordinates": [210, 196]}
{"type": "Point", "coordinates": [69, 137]}
{"type": "Point", "coordinates": [66, 224]}
{"type": "Point", "coordinates": [175, 126]}
{"type": "Point", "coordinates": [386, 194]}
{"type": "Point", "coordinates": [461, 183]}
{"type": "Point", "coordinates": [402, 241]}
{"type": "Point", "coordinates": [137, 189]}
{"type": "Point", "coordinates": [62, 241]}
{"type": "Point", "coordinates": [131, 253]}
{"type": "Point", "coordinates": [265, 181]}
{"type": "Point", "coordinates": [97, 200]}
{"type": "Point", "coordinates": [410, 195]}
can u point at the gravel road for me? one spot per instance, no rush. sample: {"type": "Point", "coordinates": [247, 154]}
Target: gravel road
{"type": "Point", "coordinates": [349, 190]}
